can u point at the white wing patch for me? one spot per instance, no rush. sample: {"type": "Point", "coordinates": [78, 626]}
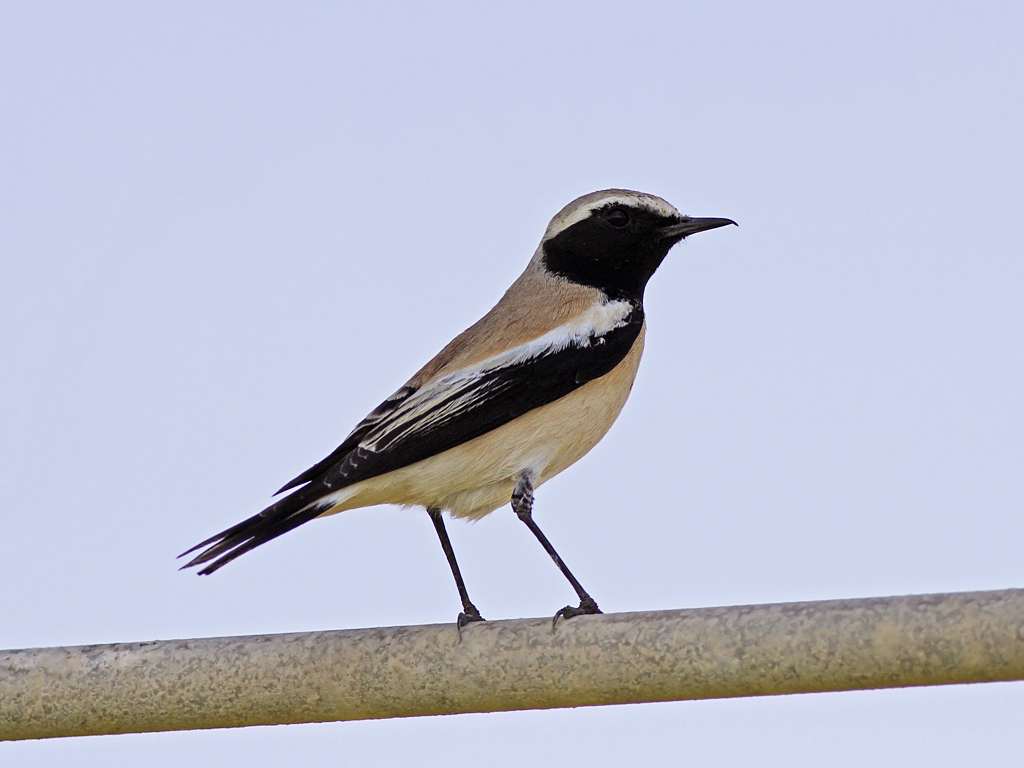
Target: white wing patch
{"type": "Point", "coordinates": [439, 400]}
{"type": "Point", "coordinates": [600, 319]}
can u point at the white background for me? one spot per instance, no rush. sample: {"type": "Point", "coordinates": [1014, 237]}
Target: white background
{"type": "Point", "coordinates": [228, 230]}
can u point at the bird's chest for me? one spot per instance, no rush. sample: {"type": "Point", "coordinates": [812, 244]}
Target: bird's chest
{"type": "Point", "coordinates": [565, 430]}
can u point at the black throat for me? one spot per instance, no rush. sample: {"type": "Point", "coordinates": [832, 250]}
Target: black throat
{"type": "Point", "coordinates": [618, 261]}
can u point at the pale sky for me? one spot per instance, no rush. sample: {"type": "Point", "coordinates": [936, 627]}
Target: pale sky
{"type": "Point", "coordinates": [229, 230]}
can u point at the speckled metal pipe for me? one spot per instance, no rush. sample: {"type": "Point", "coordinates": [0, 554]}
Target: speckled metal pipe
{"type": "Point", "coordinates": [509, 665]}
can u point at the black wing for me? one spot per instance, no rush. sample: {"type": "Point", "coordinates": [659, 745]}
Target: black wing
{"type": "Point", "coordinates": [457, 408]}
{"type": "Point", "coordinates": [415, 424]}
{"type": "Point", "coordinates": [363, 428]}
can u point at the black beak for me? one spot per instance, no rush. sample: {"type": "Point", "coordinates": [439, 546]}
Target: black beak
{"type": "Point", "coordinates": [689, 226]}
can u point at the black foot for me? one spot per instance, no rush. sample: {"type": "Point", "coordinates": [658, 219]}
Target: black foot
{"type": "Point", "coordinates": [468, 616]}
{"type": "Point", "coordinates": [586, 606]}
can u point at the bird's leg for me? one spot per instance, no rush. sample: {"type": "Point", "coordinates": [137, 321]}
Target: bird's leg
{"type": "Point", "coordinates": [522, 504]}
{"type": "Point", "coordinates": [469, 612]}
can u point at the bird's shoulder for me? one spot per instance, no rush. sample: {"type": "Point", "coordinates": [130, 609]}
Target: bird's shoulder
{"type": "Point", "coordinates": [490, 361]}
{"type": "Point", "coordinates": [535, 304]}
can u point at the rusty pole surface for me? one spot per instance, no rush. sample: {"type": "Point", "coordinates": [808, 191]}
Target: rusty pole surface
{"type": "Point", "coordinates": [359, 674]}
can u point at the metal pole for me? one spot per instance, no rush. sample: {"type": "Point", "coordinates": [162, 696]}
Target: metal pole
{"type": "Point", "coordinates": [509, 665]}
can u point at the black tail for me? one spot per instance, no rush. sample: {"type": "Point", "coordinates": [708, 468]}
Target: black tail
{"type": "Point", "coordinates": [280, 517]}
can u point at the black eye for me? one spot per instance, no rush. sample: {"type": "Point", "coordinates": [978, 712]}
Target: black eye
{"type": "Point", "coordinates": [617, 217]}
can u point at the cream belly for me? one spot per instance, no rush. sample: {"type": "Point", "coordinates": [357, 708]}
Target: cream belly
{"type": "Point", "coordinates": [478, 476]}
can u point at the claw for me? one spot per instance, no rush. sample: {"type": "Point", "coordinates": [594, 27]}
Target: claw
{"type": "Point", "coordinates": [468, 616]}
{"type": "Point", "coordinates": [585, 606]}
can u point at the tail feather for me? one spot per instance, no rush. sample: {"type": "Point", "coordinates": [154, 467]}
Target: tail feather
{"type": "Point", "coordinates": [279, 518]}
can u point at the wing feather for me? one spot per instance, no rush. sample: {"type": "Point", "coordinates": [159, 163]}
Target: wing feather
{"type": "Point", "coordinates": [465, 404]}
{"type": "Point", "coordinates": [416, 423]}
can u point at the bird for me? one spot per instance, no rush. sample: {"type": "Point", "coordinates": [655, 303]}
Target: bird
{"type": "Point", "coordinates": [510, 402]}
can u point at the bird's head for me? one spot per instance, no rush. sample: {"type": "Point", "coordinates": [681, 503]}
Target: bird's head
{"type": "Point", "coordinates": [615, 239]}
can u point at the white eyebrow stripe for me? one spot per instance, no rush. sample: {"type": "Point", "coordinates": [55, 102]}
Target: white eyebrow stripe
{"type": "Point", "coordinates": [585, 206]}
{"type": "Point", "coordinates": [460, 388]}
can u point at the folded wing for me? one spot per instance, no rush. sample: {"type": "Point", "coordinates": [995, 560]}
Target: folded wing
{"type": "Point", "coordinates": [415, 424]}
